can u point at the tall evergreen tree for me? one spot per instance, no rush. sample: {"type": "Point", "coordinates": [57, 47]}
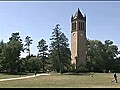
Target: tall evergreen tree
{"type": "Point", "coordinates": [2, 46]}
{"type": "Point", "coordinates": [59, 51]}
{"type": "Point", "coordinates": [28, 42]}
{"type": "Point", "coordinates": [43, 52]}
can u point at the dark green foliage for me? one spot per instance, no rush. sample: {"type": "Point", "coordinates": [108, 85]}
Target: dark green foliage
{"type": "Point", "coordinates": [59, 51]}
{"type": "Point", "coordinates": [11, 54]}
{"type": "Point", "coordinates": [101, 56]}
{"type": "Point", "coordinates": [35, 64]}
{"type": "Point", "coordinates": [43, 52]}
{"type": "Point", "coordinates": [28, 41]}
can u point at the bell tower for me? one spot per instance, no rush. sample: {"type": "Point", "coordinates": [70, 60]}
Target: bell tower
{"type": "Point", "coordinates": [78, 39]}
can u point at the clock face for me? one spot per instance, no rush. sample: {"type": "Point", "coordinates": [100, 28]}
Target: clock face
{"type": "Point", "coordinates": [81, 34]}
{"type": "Point", "coordinates": [73, 34]}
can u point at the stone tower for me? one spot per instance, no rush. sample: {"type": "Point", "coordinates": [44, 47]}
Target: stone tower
{"type": "Point", "coordinates": [78, 39]}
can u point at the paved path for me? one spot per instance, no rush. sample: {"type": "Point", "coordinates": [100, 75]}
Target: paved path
{"type": "Point", "coordinates": [24, 77]}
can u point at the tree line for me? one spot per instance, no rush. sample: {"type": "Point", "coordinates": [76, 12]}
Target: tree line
{"type": "Point", "coordinates": [56, 57]}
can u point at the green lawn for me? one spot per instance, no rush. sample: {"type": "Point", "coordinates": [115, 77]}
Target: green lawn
{"type": "Point", "coordinates": [83, 80]}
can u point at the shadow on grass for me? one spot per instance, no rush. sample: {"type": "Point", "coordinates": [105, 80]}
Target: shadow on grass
{"type": "Point", "coordinates": [19, 73]}
{"type": "Point", "coordinates": [86, 73]}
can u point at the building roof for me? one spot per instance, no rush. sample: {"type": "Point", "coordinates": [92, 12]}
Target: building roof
{"type": "Point", "coordinates": [78, 15]}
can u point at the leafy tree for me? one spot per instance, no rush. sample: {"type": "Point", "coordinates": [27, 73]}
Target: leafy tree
{"type": "Point", "coordinates": [94, 52]}
{"type": "Point", "coordinates": [35, 64]}
{"type": "Point", "coordinates": [28, 41]}
{"type": "Point", "coordinates": [110, 52]}
{"type": "Point", "coordinates": [116, 63]}
{"type": "Point", "coordinates": [101, 56]}
{"type": "Point", "coordinates": [11, 53]}
{"type": "Point", "coordinates": [43, 52]}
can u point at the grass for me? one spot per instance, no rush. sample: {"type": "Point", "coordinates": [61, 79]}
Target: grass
{"type": "Point", "coordinates": [83, 80]}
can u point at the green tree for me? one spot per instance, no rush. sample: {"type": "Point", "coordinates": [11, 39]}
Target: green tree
{"type": "Point", "coordinates": [28, 42]}
{"type": "Point", "coordinates": [110, 52]}
{"type": "Point", "coordinates": [2, 46]}
{"type": "Point", "coordinates": [35, 64]}
{"type": "Point", "coordinates": [101, 56]}
{"type": "Point", "coordinates": [43, 52]}
{"type": "Point", "coordinates": [59, 51]}
{"type": "Point", "coordinates": [94, 55]}
{"type": "Point", "coordinates": [11, 53]}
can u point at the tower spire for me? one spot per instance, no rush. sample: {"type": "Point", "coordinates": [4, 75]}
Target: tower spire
{"type": "Point", "coordinates": [78, 14]}
{"type": "Point", "coordinates": [78, 9]}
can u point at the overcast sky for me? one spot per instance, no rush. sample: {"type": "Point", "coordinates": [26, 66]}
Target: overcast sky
{"type": "Point", "coordinates": [37, 19]}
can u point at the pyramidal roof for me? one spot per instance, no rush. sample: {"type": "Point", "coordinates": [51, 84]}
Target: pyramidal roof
{"type": "Point", "coordinates": [78, 14]}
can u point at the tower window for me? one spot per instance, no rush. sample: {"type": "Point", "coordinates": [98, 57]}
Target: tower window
{"type": "Point", "coordinates": [73, 26]}
{"type": "Point", "coordinates": [79, 25]}
{"type": "Point", "coordinates": [83, 26]}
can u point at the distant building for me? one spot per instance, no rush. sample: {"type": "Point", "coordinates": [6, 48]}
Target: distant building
{"type": "Point", "coordinates": [78, 39]}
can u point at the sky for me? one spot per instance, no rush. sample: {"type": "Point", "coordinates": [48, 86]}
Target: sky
{"type": "Point", "coordinates": [37, 19]}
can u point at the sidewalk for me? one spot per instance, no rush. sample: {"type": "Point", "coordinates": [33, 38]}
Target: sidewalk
{"type": "Point", "coordinates": [24, 77]}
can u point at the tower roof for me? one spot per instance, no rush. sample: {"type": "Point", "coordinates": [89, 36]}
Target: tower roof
{"type": "Point", "coordinates": [78, 14]}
